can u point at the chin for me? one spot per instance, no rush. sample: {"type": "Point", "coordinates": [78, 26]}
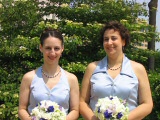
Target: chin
{"type": "Point", "coordinates": [110, 52]}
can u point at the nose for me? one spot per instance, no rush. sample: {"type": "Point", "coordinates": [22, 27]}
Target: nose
{"type": "Point", "coordinates": [52, 51]}
{"type": "Point", "coordinates": [110, 41]}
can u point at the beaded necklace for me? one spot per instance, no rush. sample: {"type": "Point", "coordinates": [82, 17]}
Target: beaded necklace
{"type": "Point", "coordinates": [113, 68]}
{"type": "Point", "coordinates": [50, 76]}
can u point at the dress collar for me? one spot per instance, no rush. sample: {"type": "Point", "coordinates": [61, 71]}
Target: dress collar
{"type": "Point", "coordinates": [102, 66]}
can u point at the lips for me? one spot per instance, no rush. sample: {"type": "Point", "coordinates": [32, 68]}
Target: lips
{"type": "Point", "coordinates": [110, 48]}
{"type": "Point", "coordinates": [51, 57]}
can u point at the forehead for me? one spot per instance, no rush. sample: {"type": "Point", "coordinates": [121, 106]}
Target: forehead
{"type": "Point", "coordinates": [52, 40]}
{"type": "Point", "coordinates": [111, 32]}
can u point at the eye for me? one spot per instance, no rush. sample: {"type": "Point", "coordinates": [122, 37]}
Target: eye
{"type": "Point", "coordinates": [57, 48]}
{"type": "Point", "coordinates": [48, 48]}
{"type": "Point", "coordinates": [106, 39]}
{"type": "Point", "coordinates": [114, 38]}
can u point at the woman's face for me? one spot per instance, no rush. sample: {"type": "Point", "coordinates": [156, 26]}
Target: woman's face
{"type": "Point", "coordinates": [52, 49]}
{"type": "Point", "coordinates": [112, 42]}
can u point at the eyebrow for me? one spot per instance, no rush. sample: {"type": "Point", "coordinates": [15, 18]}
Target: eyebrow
{"type": "Point", "coordinates": [111, 36]}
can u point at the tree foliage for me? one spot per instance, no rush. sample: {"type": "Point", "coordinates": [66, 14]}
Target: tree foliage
{"type": "Point", "coordinates": [80, 21]}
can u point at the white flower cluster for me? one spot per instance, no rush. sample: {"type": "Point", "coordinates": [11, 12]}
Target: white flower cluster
{"type": "Point", "coordinates": [48, 110]}
{"type": "Point", "coordinates": [111, 108]}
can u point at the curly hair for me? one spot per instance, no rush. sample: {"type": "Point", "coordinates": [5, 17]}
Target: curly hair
{"type": "Point", "coordinates": [117, 26]}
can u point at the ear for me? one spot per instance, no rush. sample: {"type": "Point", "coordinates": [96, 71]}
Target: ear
{"type": "Point", "coordinates": [123, 42]}
{"type": "Point", "coordinates": [62, 48]}
{"type": "Point", "coordinates": [40, 47]}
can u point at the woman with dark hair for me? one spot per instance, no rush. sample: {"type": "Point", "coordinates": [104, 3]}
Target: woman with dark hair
{"type": "Point", "coordinates": [49, 81]}
{"type": "Point", "coordinates": [116, 75]}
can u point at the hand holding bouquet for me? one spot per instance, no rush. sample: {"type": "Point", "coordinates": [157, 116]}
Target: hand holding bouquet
{"type": "Point", "coordinates": [111, 108]}
{"type": "Point", "coordinates": [48, 110]}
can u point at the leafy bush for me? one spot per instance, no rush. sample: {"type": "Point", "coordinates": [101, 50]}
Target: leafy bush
{"type": "Point", "coordinates": [9, 96]}
{"type": "Point", "coordinates": [21, 24]}
{"type": "Point", "coordinates": [155, 87]}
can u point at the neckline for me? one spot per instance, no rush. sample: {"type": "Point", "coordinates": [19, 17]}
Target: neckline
{"type": "Point", "coordinates": [54, 87]}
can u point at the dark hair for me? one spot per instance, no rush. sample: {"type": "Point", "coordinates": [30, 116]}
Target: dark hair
{"type": "Point", "coordinates": [117, 26]}
{"type": "Point", "coordinates": [51, 32]}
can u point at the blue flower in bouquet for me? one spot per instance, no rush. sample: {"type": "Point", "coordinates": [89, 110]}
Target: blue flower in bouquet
{"type": "Point", "coordinates": [107, 114]}
{"type": "Point", "coordinates": [42, 119]}
{"type": "Point", "coordinates": [48, 110]}
{"type": "Point", "coordinates": [119, 115]}
{"type": "Point", "coordinates": [111, 108]}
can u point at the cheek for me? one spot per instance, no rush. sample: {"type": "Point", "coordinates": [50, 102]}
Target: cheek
{"type": "Point", "coordinates": [104, 44]}
{"type": "Point", "coordinates": [46, 53]}
{"type": "Point", "coordinates": [105, 47]}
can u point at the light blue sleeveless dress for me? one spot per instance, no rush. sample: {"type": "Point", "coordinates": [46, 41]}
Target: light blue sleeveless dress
{"type": "Point", "coordinates": [124, 86]}
{"type": "Point", "coordinates": [39, 91]}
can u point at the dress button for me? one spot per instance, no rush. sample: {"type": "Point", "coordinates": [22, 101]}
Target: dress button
{"type": "Point", "coordinates": [48, 94]}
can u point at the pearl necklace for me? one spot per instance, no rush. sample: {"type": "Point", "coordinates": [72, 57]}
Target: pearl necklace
{"type": "Point", "coordinates": [113, 68]}
{"type": "Point", "coordinates": [50, 76]}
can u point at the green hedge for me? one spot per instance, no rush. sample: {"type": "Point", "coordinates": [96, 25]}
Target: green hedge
{"type": "Point", "coordinates": [9, 95]}
{"type": "Point", "coordinates": [21, 26]}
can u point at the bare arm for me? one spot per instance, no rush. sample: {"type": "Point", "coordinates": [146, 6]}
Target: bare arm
{"type": "Point", "coordinates": [24, 97]}
{"type": "Point", "coordinates": [85, 110]}
{"type": "Point", "coordinates": [145, 97]}
{"type": "Point", "coordinates": [74, 97]}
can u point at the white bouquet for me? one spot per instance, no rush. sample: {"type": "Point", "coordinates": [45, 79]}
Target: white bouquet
{"type": "Point", "coordinates": [111, 108]}
{"type": "Point", "coordinates": [48, 110]}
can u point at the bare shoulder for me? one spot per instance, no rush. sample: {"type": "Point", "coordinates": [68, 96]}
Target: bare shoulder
{"type": "Point", "coordinates": [138, 68]}
{"type": "Point", "coordinates": [70, 75]}
{"type": "Point", "coordinates": [91, 66]}
{"type": "Point", "coordinates": [72, 79]}
{"type": "Point", "coordinates": [28, 77]}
